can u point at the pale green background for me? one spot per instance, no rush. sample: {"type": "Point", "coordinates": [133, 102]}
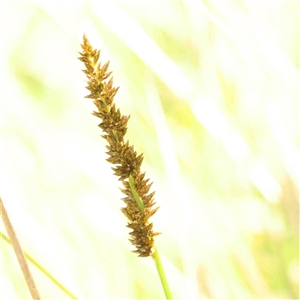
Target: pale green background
{"type": "Point", "coordinates": [212, 90]}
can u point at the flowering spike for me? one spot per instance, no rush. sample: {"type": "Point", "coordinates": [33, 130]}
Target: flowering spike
{"type": "Point", "coordinates": [139, 203]}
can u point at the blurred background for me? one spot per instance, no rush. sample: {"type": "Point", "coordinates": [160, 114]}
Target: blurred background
{"type": "Point", "coordinates": [212, 90]}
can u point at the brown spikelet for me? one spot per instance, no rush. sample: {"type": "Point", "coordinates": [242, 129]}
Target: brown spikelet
{"type": "Point", "coordinates": [121, 154]}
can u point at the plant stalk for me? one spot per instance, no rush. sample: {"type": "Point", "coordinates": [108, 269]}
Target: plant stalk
{"type": "Point", "coordinates": [19, 253]}
{"type": "Point", "coordinates": [42, 269]}
{"type": "Point", "coordinates": [161, 273]}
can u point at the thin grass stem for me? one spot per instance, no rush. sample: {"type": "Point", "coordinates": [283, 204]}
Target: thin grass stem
{"type": "Point", "coordinates": [42, 269]}
{"type": "Point", "coordinates": [161, 273]}
{"type": "Point", "coordinates": [19, 253]}
{"type": "Point", "coordinates": [135, 195]}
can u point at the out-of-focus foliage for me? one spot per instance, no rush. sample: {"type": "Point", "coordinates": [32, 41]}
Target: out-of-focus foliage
{"type": "Point", "coordinates": [212, 89]}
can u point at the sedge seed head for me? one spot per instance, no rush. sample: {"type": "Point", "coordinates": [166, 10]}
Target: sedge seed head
{"type": "Point", "coordinates": [120, 153]}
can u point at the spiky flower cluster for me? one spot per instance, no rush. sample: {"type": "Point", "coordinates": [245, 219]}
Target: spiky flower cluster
{"type": "Point", "coordinates": [122, 155]}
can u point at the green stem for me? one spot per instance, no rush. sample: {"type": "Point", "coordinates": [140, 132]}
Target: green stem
{"type": "Point", "coordinates": [135, 195]}
{"type": "Point", "coordinates": [42, 269]}
{"type": "Point", "coordinates": [161, 274]}
{"type": "Point", "coordinates": [155, 255]}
